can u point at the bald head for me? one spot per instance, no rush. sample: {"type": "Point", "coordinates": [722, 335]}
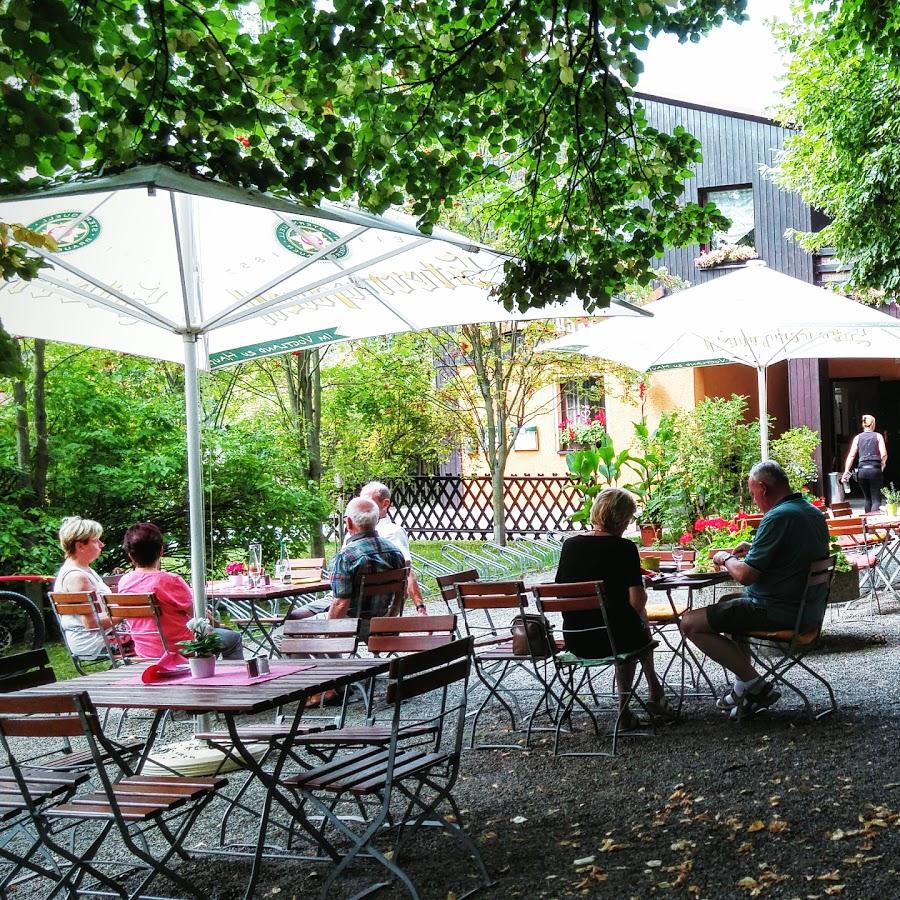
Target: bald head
{"type": "Point", "coordinates": [362, 514]}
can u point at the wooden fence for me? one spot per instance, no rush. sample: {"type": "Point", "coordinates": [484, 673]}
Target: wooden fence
{"type": "Point", "coordinates": [450, 507]}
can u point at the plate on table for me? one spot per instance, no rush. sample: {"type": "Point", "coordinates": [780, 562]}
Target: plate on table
{"type": "Point", "coordinates": [691, 574]}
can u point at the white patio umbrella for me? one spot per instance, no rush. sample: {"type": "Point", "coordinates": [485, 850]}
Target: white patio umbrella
{"type": "Point", "coordinates": [162, 264]}
{"type": "Point", "coordinates": [754, 316]}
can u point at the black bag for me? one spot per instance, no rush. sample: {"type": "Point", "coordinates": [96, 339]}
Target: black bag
{"type": "Point", "coordinates": [532, 635]}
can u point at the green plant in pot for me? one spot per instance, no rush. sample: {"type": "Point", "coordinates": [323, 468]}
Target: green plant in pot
{"type": "Point", "coordinates": [891, 499]}
{"type": "Point", "coordinates": [650, 519]}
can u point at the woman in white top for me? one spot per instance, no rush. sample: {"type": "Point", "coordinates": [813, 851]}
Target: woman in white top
{"type": "Point", "coordinates": [80, 539]}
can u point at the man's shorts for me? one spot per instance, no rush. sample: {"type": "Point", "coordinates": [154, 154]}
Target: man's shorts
{"type": "Point", "coordinates": [739, 614]}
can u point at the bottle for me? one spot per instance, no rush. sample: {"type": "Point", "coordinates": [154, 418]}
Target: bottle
{"type": "Point", "coordinates": [282, 569]}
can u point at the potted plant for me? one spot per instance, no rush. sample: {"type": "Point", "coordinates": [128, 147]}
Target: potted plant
{"type": "Point", "coordinates": [891, 499]}
{"type": "Point", "coordinates": [235, 572]}
{"type": "Point", "coordinates": [201, 650]}
{"type": "Point", "coordinates": [650, 519]}
{"type": "Point", "coordinates": [584, 433]}
{"type": "Point", "coordinates": [708, 536]}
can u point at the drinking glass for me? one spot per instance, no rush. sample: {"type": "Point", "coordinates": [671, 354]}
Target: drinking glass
{"type": "Point", "coordinates": [677, 557]}
{"type": "Point", "coordinates": [254, 561]}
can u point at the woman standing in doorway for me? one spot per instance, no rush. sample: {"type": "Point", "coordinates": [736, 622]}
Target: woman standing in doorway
{"type": "Point", "coordinates": [871, 457]}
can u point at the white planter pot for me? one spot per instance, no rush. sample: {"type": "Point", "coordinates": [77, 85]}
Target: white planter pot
{"type": "Point", "coordinates": [236, 580]}
{"type": "Point", "coordinates": [202, 666]}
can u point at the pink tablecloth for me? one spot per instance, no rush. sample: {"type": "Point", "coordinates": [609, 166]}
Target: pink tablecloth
{"type": "Point", "coordinates": [232, 676]}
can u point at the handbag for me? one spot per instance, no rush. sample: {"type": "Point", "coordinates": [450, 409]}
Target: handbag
{"type": "Point", "coordinates": [532, 635]}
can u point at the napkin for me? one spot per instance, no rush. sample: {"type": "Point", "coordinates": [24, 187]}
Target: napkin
{"type": "Point", "coordinates": [170, 665]}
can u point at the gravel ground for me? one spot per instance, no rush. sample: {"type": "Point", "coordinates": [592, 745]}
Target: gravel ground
{"type": "Point", "coordinates": [773, 807]}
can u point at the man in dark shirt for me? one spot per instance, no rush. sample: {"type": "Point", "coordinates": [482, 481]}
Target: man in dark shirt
{"type": "Point", "coordinates": [774, 568]}
{"type": "Point", "coordinates": [363, 553]}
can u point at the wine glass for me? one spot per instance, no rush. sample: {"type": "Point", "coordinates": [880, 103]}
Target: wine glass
{"type": "Point", "coordinates": [254, 560]}
{"type": "Point", "coordinates": [677, 557]}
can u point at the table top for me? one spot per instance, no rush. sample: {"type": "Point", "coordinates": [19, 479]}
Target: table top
{"type": "Point", "coordinates": [222, 590]}
{"type": "Point", "coordinates": [677, 580]}
{"type": "Point", "coordinates": [107, 690]}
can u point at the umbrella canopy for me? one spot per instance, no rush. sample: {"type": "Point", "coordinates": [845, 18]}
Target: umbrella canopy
{"type": "Point", "coordinates": [754, 316]}
{"type": "Point", "coordinates": [163, 264]}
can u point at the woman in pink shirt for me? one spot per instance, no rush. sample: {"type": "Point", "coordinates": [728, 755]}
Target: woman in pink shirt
{"type": "Point", "coordinates": [144, 545]}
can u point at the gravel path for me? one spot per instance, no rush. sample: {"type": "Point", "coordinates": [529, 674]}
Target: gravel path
{"type": "Point", "coordinates": [773, 807]}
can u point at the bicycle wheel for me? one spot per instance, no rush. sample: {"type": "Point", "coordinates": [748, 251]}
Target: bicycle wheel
{"type": "Point", "coordinates": [33, 614]}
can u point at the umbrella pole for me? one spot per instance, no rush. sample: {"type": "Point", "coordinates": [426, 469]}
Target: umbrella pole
{"type": "Point", "coordinates": [195, 474]}
{"type": "Point", "coordinates": [762, 391]}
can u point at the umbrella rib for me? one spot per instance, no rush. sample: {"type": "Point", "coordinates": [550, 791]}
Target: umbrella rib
{"type": "Point", "coordinates": [290, 297]}
{"type": "Point", "coordinates": [80, 293]}
{"type": "Point", "coordinates": [113, 292]}
{"type": "Point", "coordinates": [248, 298]}
{"type": "Point", "coordinates": [182, 275]}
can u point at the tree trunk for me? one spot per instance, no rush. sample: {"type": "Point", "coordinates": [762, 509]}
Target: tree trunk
{"type": "Point", "coordinates": [41, 448]}
{"type": "Point", "coordinates": [498, 505]}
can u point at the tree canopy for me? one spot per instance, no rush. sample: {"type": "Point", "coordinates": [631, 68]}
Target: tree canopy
{"type": "Point", "coordinates": [526, 106]}
{"type": "Point", "coordinates": [843, 94]}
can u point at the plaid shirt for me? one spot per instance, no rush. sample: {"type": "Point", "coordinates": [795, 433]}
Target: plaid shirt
{"type": "Point", "coordinates": [364, 552]}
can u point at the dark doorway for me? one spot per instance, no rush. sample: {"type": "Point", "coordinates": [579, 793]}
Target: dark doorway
{"type": "Point", "coordinates": [851, 399]}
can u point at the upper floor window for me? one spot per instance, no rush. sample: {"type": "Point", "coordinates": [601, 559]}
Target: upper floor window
{"type": "Point", "coordinates": [735, 203]}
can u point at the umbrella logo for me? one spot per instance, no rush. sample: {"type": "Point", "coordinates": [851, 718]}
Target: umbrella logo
{"type": "Point", "coordinates": [71, 230]}
{"type": "Point", "coordinates": [307, 238]}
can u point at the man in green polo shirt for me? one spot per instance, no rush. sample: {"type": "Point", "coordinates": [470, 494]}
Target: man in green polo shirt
{"type": "Point", "coordinates": [774, 568]}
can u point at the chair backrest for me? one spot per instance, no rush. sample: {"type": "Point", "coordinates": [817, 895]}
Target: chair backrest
{"type": "Point", "coordinates": [840, 509]}
{"type": "Point", "coordinates": [380, 593]}
{"type": "Point", "coordinates": [419, 673]}
{"type": "Point", "coordinates": [666, 555]}
{"type": "Point", "coordinates": [123, 608]}
{"type": "Point", "coordinates": [410, 634]}
{"type": "Point", "coordinates": [577, 596]}
{"type": "Point", "coordinates": [821, 572]}
{"type": "Point", "coordinates": [48, 715]}
{"type": "Point", "coordinates": [88, 605]}
{"type": "Point", "coordinates": [447, 583]}
{"type": "Point", "coordinates": [320, 637]}
{"type": "Point", "coordinates": [491, 595]}
{"type": "Point", "coordinates": [306, 569]}
{"type": "Point", "coordinates": [24, 670]}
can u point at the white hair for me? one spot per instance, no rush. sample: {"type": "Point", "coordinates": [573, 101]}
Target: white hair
{"type": "Point", "coordinates": [376, 490]}
{"type": "Point", "coordinates": [364, 513]}
{"type": "Point", "coordinates": [770, 474]}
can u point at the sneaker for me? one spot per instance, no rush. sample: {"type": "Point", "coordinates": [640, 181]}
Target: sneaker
{"type": "Point", "coordinates": [762, 697]}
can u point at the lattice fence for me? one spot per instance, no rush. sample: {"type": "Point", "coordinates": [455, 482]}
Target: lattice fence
{"type": "Point", "coordinates": [447, 507]}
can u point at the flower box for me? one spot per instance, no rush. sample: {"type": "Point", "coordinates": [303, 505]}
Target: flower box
{"type": "Point", "coordinates": [844, 587]}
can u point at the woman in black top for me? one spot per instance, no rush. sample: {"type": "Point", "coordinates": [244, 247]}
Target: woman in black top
{"type": "Point", "coordinates": [871, 454]}
{"type": "Point", "coordinates": [604, 555]}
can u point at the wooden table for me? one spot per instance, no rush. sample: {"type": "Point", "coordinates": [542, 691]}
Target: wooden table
{"type": "Point", "coordinates": [115, 689]}
{"type": "Point", "coordinates": [256, 611]}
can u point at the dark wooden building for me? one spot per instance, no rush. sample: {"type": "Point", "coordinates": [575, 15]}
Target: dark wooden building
{"type": "Point", "coordinates": [826, 396]}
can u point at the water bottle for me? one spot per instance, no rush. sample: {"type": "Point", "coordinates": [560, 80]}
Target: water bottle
{"type": "Point", "coordinates": [282, 569]}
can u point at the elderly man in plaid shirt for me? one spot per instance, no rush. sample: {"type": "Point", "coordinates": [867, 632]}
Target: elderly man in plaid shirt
{"type": "Point", "coordinates": [363, 552]}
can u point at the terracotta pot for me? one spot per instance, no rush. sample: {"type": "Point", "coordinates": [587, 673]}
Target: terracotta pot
{"type": "Point", "coordinates": [202, 666]}
{"type": "Point", "coordinates": [651, 534]}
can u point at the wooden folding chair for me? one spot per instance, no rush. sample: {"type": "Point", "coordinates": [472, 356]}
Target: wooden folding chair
{"type": "Point", "coordinates": [574, 673]}
{"type": "Point", "coordinates": [863, 544]}
{"type": "Point", "coordinates": [840, 510]}
{"type": "Point", "coordinates": [306, 569]}
{"type": "Point", "coordinates": [495, 659]}
{"type": "Point", "coordinates": [149, 817]}
{"type": "Point", "coordinates": [447, 585]}
{"type": "Point", "coordinates": [32, 669]}
{"type": "Point", "coordinates": [410, 634]}
{"type": "Point", "coordinates": [125, 608]}
{"type": "Point", "coordinates": [421, 776]}
{"type": "Point", "coordinates": [88, 605]}
{"type": "Point", "coordinates": [379, 594]}
{"type": "Point", "coordinates": [789, 647]}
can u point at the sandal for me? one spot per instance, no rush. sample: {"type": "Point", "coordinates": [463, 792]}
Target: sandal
{"type": "Point", "coordinates": [661, 711]}
{"type": "Point", "coordinates": [729, 701]}
{"type": "Point", "coordinates": [628, 721]}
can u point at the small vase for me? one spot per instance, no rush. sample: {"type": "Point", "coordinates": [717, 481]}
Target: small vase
{"type": "Point", "coordinates": [891, 509]}
{"type": "Point", "coordinates": [236, 580]}
{"type": "Point", "coordinates": [202, 666]}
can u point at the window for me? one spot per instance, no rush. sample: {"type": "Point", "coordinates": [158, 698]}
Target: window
{"type": "Point", "coordinates": [735, 203]}
{"type": "Point", "coordinates": [582, 413]}
{"type": "Point", "coordinates": [527, 438]}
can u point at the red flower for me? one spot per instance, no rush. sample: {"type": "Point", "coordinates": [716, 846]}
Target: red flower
{"type": "Point", "coordinates": [243, 139]}
{"type": "Point", "coordinates": [642, 390]}
{"type": "Point", "coordinates": [685, 539]}
{"type": "Point", "coordinates": [600, 416]}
